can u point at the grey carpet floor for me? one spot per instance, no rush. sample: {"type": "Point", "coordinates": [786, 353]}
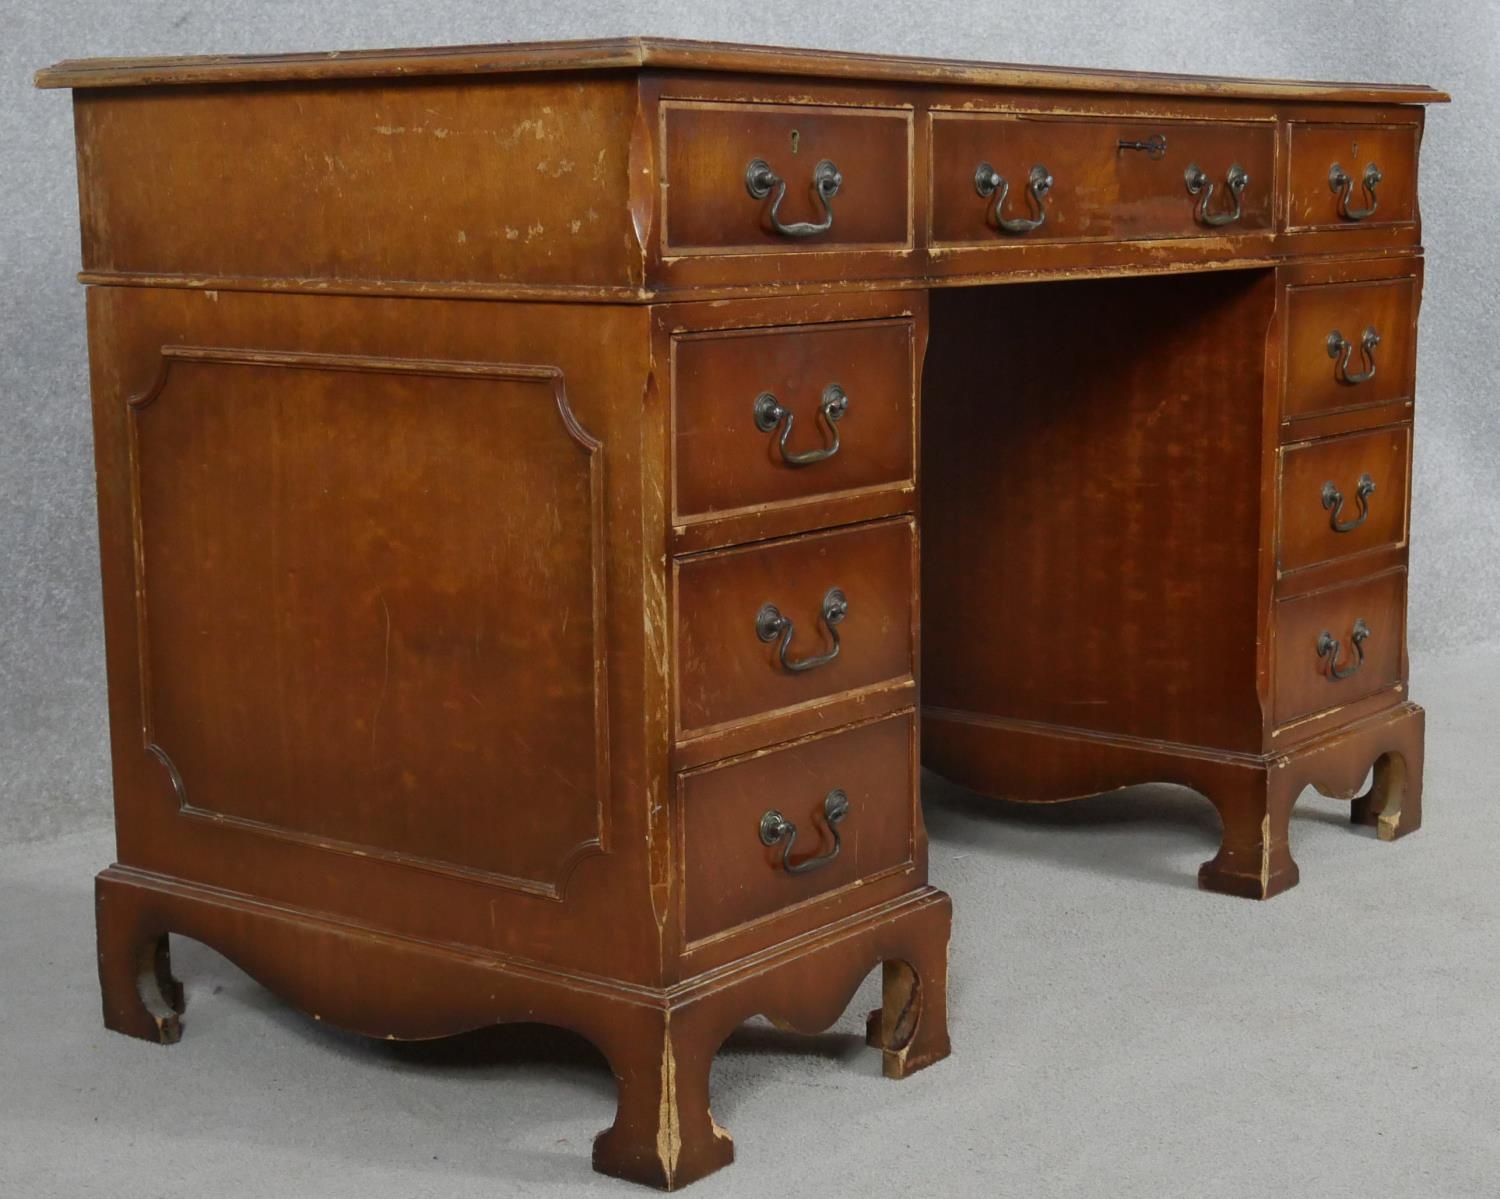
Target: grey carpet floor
{"type": "Point", "coordinates": [1115, 1032]}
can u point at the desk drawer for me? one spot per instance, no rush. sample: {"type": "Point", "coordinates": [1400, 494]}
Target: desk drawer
{"type": "Point", "coordinates": [1098, 190]}
{"type": "Point", "coordinates": [784, 623]}
{"type": "Point", "coordinates": [734, 847]}
{"type": "Point", "coordinates": [1336, 646]}
{"type": "Point", "coordinates": [765, 416]}
{"type": "Point", "coordinates": [1342, 496]}
{"type": "Point", "coordinates": [713, 203]}
{"type": "Point", "coordinates": [1349, 345]}
{"type": "Point", "coordinates": [1352, 176]}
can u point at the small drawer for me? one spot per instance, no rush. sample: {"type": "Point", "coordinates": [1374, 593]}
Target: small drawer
{"type": "Point", "coordinates": [1099, 189]}
{"type": "Point", "coordinates": [747, 178]}
{"type": "Point", "coordinates": [767, 416]}
{"type": "Point", "coordinates": [1352, 176]}
{"type": "Point", "coordinates": [1336, 646]}
{"type": "Point", "coordinates": [1342, 497]}
{"type": "Point", "coordinates": [783, 623]}
{"type": "Point", "coordinates": [1349, 345]}
{"type": "Point", "coordinates": [843, 804]}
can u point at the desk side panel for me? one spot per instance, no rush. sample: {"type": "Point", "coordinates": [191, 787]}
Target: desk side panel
{"type": "Point", "coordinates": [378, 581]}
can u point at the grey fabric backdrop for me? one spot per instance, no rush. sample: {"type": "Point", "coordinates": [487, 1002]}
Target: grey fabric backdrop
{"type": "Point", "coordinates": [53, 755]}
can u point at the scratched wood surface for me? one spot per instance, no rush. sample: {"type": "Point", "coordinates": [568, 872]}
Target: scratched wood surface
{"type": "Point", "coordinates": [436, 182]}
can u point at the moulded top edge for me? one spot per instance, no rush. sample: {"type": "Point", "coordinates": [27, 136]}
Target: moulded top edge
{"type": "Point", "coordinates": [677, 55]}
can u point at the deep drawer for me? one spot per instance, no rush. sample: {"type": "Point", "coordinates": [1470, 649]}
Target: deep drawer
{"type": "Point", "coordinates": [1352, 176]}
{"type": "Point", "coordinates": [1343, 496]}
{"type": "Point", "coordinates": [783, 623]}
{"type": "Point", "coordinates": [766, 416]}
{"type": "Point", "coordinates": [1349, 345]}
{"type": "Point", "coordinates": [734, 848]}
{"type": "Point", "coordinates": [1099, 190]}
{"type": "Point", "coordinates": [1336, 646]}
{"type": "Point", "coordinates": [715, 203]}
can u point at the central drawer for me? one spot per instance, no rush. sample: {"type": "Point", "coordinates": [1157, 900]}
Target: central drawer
{"type": "Point", "coordinates": [1110, 179]}
{"type": "Point", "coordinates": [849, 796]}
{"type": "Point", "coordinates": [780, 624]}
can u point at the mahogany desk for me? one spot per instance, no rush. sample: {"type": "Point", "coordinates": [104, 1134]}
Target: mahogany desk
{"type": "Point", "coordinates": [508, 466]}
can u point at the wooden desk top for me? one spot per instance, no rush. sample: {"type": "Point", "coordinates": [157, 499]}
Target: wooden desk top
{"type": "Point", "coordinates": [636, 53]}
{"type": "Point", "coordinates": [621, 171]}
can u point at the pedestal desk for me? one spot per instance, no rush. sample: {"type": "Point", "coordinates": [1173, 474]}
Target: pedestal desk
{"type": "Point", "coordinates": [512, 464]}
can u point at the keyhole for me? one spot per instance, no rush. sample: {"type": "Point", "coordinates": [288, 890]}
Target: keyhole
{"type": "Point", "coordinates": [796, 137]}
{"type": "Point", "coordinates": [1353, 149]}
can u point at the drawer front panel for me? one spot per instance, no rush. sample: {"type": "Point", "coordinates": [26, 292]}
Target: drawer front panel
{"type": "Point", "coordinates": [729, 651]}
{"type": "Point", "coordinates": [1099, 191]}
{"type": "Point", "coordinates": [737, 393]}
{"type": "Point", "coordinates": [1343, 496]}
{"type": "Point", "coordinates": [732, 877]}
{"type": "Point", "coordinates": [1318, 198]}
{"type": "Point", "coordinates": [1305, 680]}
{"type": "Point", "coordinates": [708, 206]}
{"type": "Point", "coordinates": [1326, 373]}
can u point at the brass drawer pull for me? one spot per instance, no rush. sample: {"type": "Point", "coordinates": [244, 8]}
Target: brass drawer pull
{"type": "Point", "coordinates": [1328, 647]}
{"type": "Point", "coordinates": [1237, 179]}
{"type": "Point", "coordinates": [1341, 349]}
{"type": "Point", "coordinates": [771, 624]}
{"type": "Point", "coordinates": [1333, 503]}
{"type": "Point", "coordinates": [769, 413]}
{"type": "Point", "coordinates": [1340, 182]}
{"type": "Point", "coordinates": [826, 181]}
{"type": "Point", "coordinates": [774, 826]}
{"type": "Point", "coordinates": [989, 182]}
